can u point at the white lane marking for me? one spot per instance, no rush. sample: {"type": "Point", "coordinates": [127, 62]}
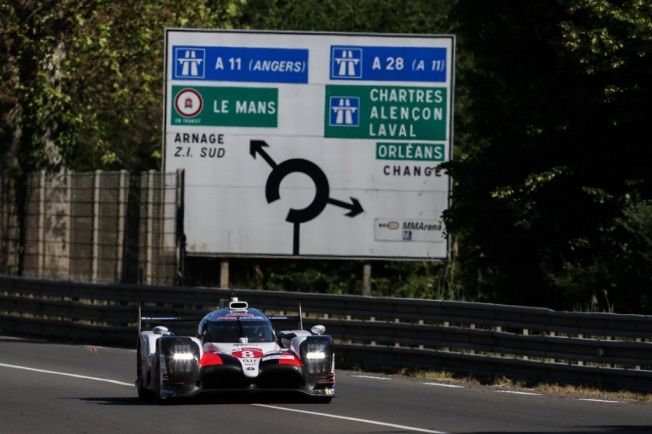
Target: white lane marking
{"type": "Point", "coordinates": [352, 419]}
{"type": "Point", "coordinates": [333, 416]}
{"type": "Point", "coordinates": [65, 374]}
{"type": "Point", "coordinates": [371, 377]}
{"type": "Point", "coordinates": [273, 407]}
{"type": "Point", "coordinates": [451, 386]}
{"type": "Point", "coordinates": [606, 401]}
{"type": "Point", "coordinates": [514, 392]}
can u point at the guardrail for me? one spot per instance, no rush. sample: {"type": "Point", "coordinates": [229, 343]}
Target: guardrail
{"type": "Point", "coordinates": [607, 350]}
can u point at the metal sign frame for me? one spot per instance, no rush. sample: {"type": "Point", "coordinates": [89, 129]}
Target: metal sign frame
{"type": "Point", "coordinates": [310, 134]}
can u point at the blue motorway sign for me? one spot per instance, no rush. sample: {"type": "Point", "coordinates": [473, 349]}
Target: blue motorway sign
{"type": "Point", "coordinates": [416, 64]}
{"type": "Point", "coordinates": [344, 111]}
{"type": "Point", "coordinates": [240, 64]}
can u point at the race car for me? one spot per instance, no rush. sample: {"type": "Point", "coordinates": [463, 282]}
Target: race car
{"type": "Point", "coordinates": [236, 348]}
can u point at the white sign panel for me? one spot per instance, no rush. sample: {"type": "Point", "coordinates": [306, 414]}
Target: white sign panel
{"type": "Point", "coordinates": [310, 144]}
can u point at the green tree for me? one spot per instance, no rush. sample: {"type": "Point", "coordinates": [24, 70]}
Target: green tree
{"type": "Point", "coordinates": [82, 81]}
{"type": "Point", "coordinates": [33, 40]}
{"type": "Point", "coordinates": [554, 148]}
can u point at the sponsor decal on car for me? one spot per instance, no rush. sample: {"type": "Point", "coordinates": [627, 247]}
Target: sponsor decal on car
{"type": "Point", "coordinates": [247, 353]}
{"type": "Point", "coordinates": [279, 357]}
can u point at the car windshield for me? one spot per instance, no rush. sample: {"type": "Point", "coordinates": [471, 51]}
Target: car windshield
{"type": "Point", "coordinates": [232, 331]}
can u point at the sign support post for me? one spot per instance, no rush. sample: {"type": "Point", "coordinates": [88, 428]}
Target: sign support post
{"type": "Point", "coordinates": [366, 279]}
{"type": "Point", "coordinates": [224, 274]}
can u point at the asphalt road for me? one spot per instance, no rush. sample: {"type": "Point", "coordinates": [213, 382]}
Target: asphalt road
{"type": "Point", "coordinates": [55, 388]}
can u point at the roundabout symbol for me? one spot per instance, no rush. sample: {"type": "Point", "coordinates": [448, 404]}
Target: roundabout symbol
{"type": "Point", "coordinates": [322, 189]}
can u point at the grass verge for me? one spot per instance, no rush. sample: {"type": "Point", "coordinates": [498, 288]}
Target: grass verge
{"type": "Point", "coordinates": [540, 387]}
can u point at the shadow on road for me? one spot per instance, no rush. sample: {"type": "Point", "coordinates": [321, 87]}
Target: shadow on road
{"type": "Point", "coordinates": [607, 429]}
{"type": "Point", "coordinates": [259, 397]}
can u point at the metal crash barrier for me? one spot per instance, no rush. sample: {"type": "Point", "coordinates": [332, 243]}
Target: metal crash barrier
{"type": "Point", "coordinates": [601, 349]}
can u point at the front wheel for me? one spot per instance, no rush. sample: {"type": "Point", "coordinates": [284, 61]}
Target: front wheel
{"type": "Point", "coordinates": [144, 394]}
{"type": "Point", "coordinates": [157, 395]}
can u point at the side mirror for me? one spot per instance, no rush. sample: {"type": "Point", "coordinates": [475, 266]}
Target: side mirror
{"type": "Point", "coordinates": [160, 330]}
{"type": "Point", "coordinates": [318, 329]}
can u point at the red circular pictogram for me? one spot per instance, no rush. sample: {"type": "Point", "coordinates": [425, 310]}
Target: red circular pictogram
{"type": "Point", "coordinates": [188, 103]}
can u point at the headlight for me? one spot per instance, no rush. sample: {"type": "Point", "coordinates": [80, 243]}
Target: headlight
{"type": "Point", "coordinates": [315, 355]}
{"type": "Point", "coordinates": [183, 356]}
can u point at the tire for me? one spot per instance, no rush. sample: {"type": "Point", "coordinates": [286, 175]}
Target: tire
{"type": "Point", "coordinates": [144, 394]}
{"type": "Point", "coordinates": [158, 398]}
{"type": "Point", "coordinates": [157, 379]}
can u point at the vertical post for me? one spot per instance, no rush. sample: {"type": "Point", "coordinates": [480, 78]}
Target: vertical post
{"type": "Point", "coordinates": [366, 279]}
{"type": "Point", "coordinates": [41, 224]}
{"type": "Point", "coordinates": [150, 228]}
{"type": "Point", "coordinates": [95, 260]}
{"type": "Point", "coordinates": [224, 273]}
{"type": "Point", "coordinates": [123, 186]}
{"type": "Point", "coordinates": [69, 221]}
{"type": "Point", "coordinates": [179, 227]}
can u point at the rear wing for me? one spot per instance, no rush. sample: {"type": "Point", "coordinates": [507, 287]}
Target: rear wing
{"type": "Point", "coordinates": [276, 319]}
{"type": "Point", "coordinates": [152, 319]}
{"type": "Point", "coordinates": [298, 318]}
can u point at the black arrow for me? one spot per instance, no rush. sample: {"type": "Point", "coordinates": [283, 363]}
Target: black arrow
{"type": "Point", "coordinates": [354, 207]}
{"type": "Point", "coordinates": [314, 172]}
{"type": "Point", "coordinates": [256, 147]}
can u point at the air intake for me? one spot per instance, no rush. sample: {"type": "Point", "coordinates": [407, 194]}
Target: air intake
{"type": "Point", "coordinates": [237, 305]}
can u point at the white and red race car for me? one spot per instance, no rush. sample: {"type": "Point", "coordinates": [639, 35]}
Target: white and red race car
{"type": "Point", "coordinates": [236, 348]}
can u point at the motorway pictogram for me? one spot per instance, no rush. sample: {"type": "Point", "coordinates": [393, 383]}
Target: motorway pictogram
{"type": "Point", "coordinates": [322, 189]}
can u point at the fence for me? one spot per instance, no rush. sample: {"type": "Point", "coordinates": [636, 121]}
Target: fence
{"type": "Point", "coordinates": [613, 351]}
{"type": "Point", "coordinates": [94, 227]}
{"type": "Point", "coordinates": [9, 227]}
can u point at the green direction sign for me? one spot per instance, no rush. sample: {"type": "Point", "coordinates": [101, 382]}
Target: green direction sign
{"type": "Point", "coordinates": [410, 151]}
{"type": "Point", "coordinates": [225, 106]}
{"type": "Point", "coordinates": [386, 112]}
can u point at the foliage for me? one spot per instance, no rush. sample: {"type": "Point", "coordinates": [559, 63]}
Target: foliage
{"type": "Point", "coordinates": [429, 280]}
{"type": "Point", "coordinates": [413, 16]}
{"type": "Point", "coordinates": [87, 76]}
{"type": "Point", "coordinates": [619, 279]}
{"type": "Point", "coordinates": [552, 193]}
{"type": "Point", "coordinates": [555, 150]}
